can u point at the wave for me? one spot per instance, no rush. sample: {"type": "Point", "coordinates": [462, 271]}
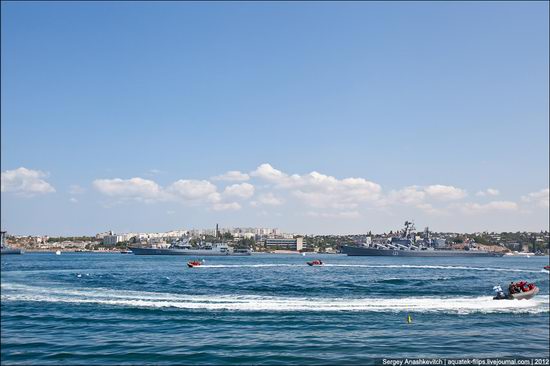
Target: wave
{"type": "Point", "coordinates": [140, 299]}
{"type": "Point", "coordinates": [402, 281]}
{"type": "Point", "coordinates": [270, 265]}
{"type": "Point", "coordinates": [249, 265]}
{"type": "Point", "coordinates": [436, 267]}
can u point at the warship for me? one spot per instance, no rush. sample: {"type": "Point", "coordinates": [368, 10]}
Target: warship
{"type": "Point", "coordinates": [183, 247]}
{"type": "Point", "coordinates": [407, 245]}
{"type": "Point", "coordinates": [4, 248]}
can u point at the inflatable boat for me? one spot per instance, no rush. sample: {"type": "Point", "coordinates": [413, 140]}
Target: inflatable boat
{"type": "Point", "coordinates": [525, 295]}
{"type": "Point", "coordinates": [192, 264]}
{"type": "Point", "coordinates": [315, 263]}
{"type": "Point", "coordinates": [517, 291]}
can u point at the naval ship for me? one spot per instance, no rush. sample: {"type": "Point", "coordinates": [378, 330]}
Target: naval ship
{"type": "Point", "coordinates": [182, 247]}
{"type": "Point", "coordinates": [4, 248]}
{"type": "Point", "coordinates": [406, 245]}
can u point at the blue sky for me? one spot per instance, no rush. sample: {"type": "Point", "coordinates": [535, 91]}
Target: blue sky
{"type": "Point", "coordinates": [428, 105]}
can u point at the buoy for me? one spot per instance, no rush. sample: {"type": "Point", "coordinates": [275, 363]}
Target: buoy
{"type": "Point", "coordinates": [409, 319]}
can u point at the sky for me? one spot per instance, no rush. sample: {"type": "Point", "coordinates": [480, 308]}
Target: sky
{"type": "Point", "coordinates": [312, 117]}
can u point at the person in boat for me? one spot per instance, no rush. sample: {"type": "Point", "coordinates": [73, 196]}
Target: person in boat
{"type": "Point", "coordinates": [500, 294]}
{"type": "Point", "coordinates": [512, 288]}
{"type": "Point", "coordinates": [320, 262]}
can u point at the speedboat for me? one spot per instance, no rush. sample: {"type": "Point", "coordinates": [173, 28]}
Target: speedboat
{"type": "Point", "coordinates": [192, 264]}
{"type": "Point", "coordinates": [547, 268]}
{"type": "Point", "coordinates": [525, 295]}
{"type": "Point", "coordinates": [517, 291]}
{"type": "Point", "coordinates": [315, 263]}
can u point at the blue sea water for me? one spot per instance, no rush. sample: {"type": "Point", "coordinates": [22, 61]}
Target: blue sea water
{"type": "Point", "coordinates": [85, 308]}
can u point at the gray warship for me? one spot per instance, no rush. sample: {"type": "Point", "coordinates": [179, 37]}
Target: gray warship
{"type": "Point", "coordinates": [4, 248]}
{"type": "Point", "coordinates": [182, 247]}
{"type": "Point", "coordinates": [406, 245]}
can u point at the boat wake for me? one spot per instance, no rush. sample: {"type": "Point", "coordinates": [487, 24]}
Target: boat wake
{"type": "Point", "coordinates": [436, 267]}
{"type": "Point", "coordinates": [141, 299]}
{"type": "Point", "coordinates": [412, 266]}
{"type": "Point", "coordinates": [250, 265]}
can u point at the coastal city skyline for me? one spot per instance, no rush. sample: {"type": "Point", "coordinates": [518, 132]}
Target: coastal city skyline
{"type": "Point", "coordinates": [390, 114]}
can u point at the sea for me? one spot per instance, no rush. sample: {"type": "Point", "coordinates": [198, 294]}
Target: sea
{"type": "Point", "coordinates": [123, 309]}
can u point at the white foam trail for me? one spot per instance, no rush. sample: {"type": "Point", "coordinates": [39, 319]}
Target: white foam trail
{"type": "Point", "coordinates": [434, 267]}
{"type": "Point", "coordinates": [249, 265]}
{"type": "Point", "coordinates": [269, 265]}
{"type": "Point", "coordinates": [461, 305]}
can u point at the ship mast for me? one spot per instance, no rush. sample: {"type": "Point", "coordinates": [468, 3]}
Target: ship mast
{"type": "Point", "coordinates": [409, 230]}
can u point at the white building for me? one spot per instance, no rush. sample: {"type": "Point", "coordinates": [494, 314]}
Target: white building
{"type": "Point", "coordinates": [110, 239]}
{"type": "Point", "coordinates": [289, 244]}
{"type": "Point", "coordinates": [114, 239]}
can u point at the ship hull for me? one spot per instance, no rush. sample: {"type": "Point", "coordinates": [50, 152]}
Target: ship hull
{"type": "Point", "coordinates": [359, 251]}
{"type": "Point", "coordinates": [11, 251]}
{"type": "Point", "coordinates": [210, 253]}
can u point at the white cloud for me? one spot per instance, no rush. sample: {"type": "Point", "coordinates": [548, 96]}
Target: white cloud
{"type": "Point", "coordinates": [320, 195]}
{"type": "Point", "coordinates": [335, 215]}
{"type": "Point", "coordinates": [488, 192]}
{"type": "Point", "coordinates": [540, 198]}
{"type": "Point", "coordinates": [25, 182]}
{"type": "Point", "coordinates": [226, 206]}
{"type": "Point", "coordinates": [445, 193]}
{"type": "Point", "coordinates": [413, 196]}
{"type": "Point", "coordinates": [243, 190]}
{"type": "Point", "coordinates": [417, 196]}
{"type": "Point", "coordinates": [268, 199]}
{"type": "Point", "coordinates": [476, 208]}
{"type": "Point", "coordinates": [320, 190]}
{"type": "Point", "coordinates": [326, 200]}
{"type": "Point", "coordinates": [232, 176]}
{"type": "Point", "coordinates": [409, 195]}
{"type": "Point", "coordinates": [134, 188]}
{"type": "Point", "coordinates": [187, 191]}
{"type": "Point", "coordinates": [73, 200]}
{"type": "Point", "coordinates": [270, 174]}
{"type": "Point", "coordinates": [194, 190]}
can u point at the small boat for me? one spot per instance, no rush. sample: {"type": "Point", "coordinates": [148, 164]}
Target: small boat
{"type": "Point", "coordinates": [315, 263]}
{"type": "Point", "coordinates": [192, 264]}
{"type": "Point", "coordinates": [525, 295]}
{"type": "Point", "coordinates": [547, 268]}
{"type": "Point", "coordinates": [517, 291]}
{"type": "Point", "coordinates": [58, 252]}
